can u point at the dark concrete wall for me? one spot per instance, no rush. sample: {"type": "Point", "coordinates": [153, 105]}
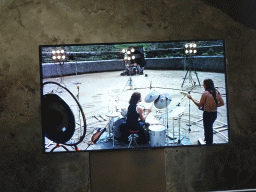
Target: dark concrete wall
{"type": "Point", "coordinates": [71, 68]}
{"type": "Point", "coordinates": [27, 24]}
{"type": "Point", "coordinates": [201, 63]}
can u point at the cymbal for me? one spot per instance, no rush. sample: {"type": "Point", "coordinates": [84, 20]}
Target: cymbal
{"type": "Point", "coordinates": [113, 114]}
{"type": "Point", "coordinates": [174, 112]}
{"type": "Point", "coordinates": [151, 97]}
{"type": "Point", "coordinates": [152, 120]}
{"type": "Point", "coordinates": [184, 93]}
{"type": "Point", "coordinates": [163, 101]}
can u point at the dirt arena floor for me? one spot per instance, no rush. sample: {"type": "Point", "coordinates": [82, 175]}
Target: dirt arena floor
{"type": "Point", "coordinates": [104, 98]}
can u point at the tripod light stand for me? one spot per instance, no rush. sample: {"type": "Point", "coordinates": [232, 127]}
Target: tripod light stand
{"type": "Point", "coordinates": [72, 57]}
{"type": "Point", "coordinates": [190, 49]}
{"type": "Point", "coordinates": [59, 56]}
{"type": "Point", "coordinates": [129, 56]}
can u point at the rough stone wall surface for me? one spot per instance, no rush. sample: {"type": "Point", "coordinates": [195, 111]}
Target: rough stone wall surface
{"type": "Point", "coordinates": [26, 24]}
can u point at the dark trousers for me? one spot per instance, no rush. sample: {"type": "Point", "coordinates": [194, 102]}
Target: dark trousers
{"type": "Point", "coordinates": [208, 119]}
{"type": "Point", "coordinates": [143, 134]}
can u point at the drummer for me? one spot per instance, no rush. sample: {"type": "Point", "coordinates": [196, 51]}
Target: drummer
{"type": "Point", "coordinates": [136, 119]}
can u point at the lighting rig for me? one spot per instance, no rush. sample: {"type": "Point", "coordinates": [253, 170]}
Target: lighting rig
{"type": "Point", "coordinates": [129, 59]}
{"type": "Point", "coordinates": [128, 55]}
{"type": "Point", "coordinates": [60, 56]}
{"type": "Point", "coordinates": [190, 49]}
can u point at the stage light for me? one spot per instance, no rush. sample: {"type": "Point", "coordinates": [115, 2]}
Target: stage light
{"type": "Point", "coordinates": [133, 57]}
{"type": "Point", "coordinates": [123, 50]}
{"type": "Point", "coordinates": [125, 58]}
{"type": "Point", "coordinates": [132, 50]}
{"type": "Point", "coordinates": [128, 52]}
{"type": "Point", "coordinates": [129, 58]}
{"type": "Point", "coordinates": [190, 48]}
{"type": "Point", "coordinates": [58, 55]}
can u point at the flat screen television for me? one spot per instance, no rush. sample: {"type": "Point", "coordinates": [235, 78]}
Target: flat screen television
{"type": "Point", "coordinates": [135, 95]}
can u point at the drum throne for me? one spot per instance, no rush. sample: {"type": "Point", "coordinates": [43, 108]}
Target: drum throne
{"type": "Point", "coordinates": [133, 137]}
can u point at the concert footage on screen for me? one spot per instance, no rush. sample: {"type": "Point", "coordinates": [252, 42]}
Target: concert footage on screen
{"type": "Point", "coordinates": [134, 95]}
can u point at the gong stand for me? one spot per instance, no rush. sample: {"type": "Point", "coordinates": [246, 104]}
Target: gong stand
{"type": "Point", "coordinates": [61, 145]}
{"type": "Point", "coordinates": [76, 83]}
{"type": "Point", "coordinates": [72, 144]}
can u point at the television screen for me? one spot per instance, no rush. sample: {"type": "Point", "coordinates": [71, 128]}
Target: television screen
{"type": "Point", "coordinates": [136, 95]}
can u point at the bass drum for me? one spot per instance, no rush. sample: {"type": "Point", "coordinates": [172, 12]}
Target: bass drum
{"type": "Point", "coordinates": [117, 124]}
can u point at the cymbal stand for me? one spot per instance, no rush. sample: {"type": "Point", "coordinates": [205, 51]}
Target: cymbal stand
{"type": "Point", "coordinates": [189, 124]}
{"type": "Point", "coordinates": [174, 118]}
{"type": "Point", "coordinates": [167, 123]}
{"type": "Point", "coordinates": [112, 118]}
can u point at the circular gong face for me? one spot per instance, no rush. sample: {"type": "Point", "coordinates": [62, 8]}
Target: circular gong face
{"type": "Point", "coordinates": [58, 120]}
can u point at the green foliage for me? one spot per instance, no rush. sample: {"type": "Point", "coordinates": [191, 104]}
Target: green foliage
{"type": "Point", "coordinates": [150, 50]}
{"type": "Point", "coordinates": [211, 51]}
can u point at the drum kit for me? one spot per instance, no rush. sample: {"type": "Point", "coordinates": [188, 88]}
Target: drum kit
{"type": "Point", "coordinates": [158, 132]}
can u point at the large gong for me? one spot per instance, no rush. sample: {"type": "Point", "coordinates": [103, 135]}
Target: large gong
{"type": "Point", "coordinates": [58, 121]}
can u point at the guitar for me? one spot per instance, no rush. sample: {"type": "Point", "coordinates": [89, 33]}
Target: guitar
{"type": "Point", "coordinates": [97, 135]}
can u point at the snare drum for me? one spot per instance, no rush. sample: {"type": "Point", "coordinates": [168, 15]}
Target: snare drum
{"type": "Point", "coordinates": [157, 135]}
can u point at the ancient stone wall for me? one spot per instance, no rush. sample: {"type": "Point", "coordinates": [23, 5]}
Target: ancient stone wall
{"type": "Point", "coordinates": [26, 24]}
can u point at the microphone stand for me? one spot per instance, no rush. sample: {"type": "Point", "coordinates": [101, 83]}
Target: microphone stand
{"type": "Point", "coordinates": [189, 125]}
